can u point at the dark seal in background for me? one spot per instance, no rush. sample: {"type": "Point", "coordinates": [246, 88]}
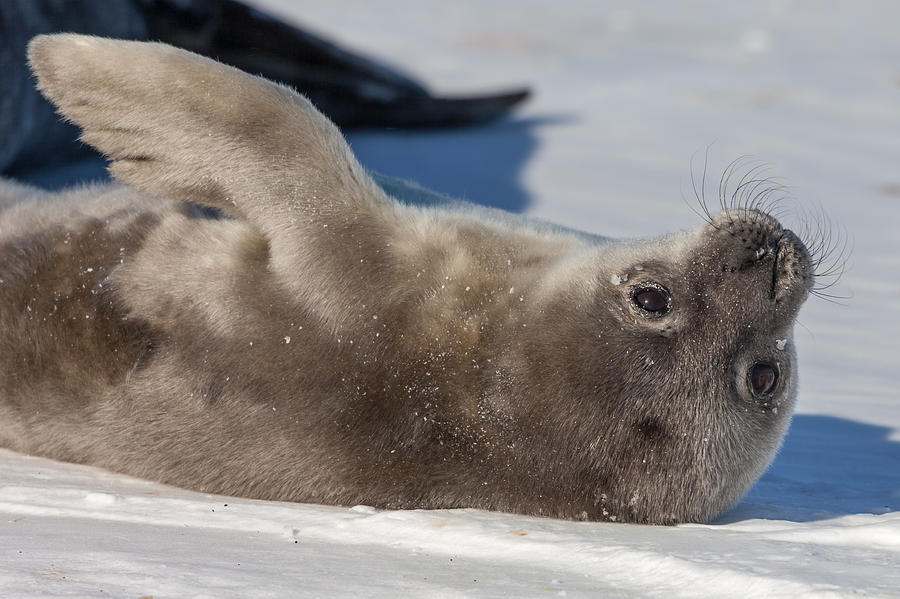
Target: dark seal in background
{"type": "Point", "coordinates": [352, 90]}
{"type": "Point", "coordinates": [31, 134]}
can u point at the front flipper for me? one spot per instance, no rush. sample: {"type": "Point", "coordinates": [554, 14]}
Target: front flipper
{"type": "Point", "coordinates": [180, 125]}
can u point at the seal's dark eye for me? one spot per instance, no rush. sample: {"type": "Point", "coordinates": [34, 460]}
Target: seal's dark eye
{"type": "Point", "coordinates": [762, 378]}
{"type": "Point", "coordinates": [652, 298]}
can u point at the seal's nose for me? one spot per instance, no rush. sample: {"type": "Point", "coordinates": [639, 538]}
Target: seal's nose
{"type": "Point", "coordinates": [750, 238]}
{"type": "Point", "coordinates": [760, 266]}
{"type": "Point", "coordinates": [793, 270]}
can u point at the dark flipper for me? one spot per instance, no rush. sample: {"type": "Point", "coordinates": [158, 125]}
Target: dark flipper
{"type": "Point", "coordinates": [351, 90]}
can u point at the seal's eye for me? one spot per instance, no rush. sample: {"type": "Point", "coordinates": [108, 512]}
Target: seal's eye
{"type": "Point", "coordinates": [762, 378]}
{"type": "Point", "coordinates": [652, 299]}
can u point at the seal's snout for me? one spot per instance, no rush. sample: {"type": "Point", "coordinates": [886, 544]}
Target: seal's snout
{"type": "Point", "coordinates": [793, 269]}
{"type": "Point", "coordinates": [751, 230]}
{"type": "Point", "coordinates": [757, 254]}
{"type": "Point", "coordinates": [745, 239]}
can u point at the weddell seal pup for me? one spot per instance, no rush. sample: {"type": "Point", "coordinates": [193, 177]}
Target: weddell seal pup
{"type": "Point", "coordinates": [252, 314]}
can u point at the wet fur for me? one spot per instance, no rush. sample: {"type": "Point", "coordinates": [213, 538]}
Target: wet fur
{"type": "Point", "coordinates": [315, 339]}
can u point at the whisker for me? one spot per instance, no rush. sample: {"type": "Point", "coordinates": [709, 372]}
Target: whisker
{"type": "Point", "coordinates": [747, 186]}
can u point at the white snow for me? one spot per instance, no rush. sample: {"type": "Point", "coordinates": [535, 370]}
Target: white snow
{"type": "Point", "coordinates": [625, 95]}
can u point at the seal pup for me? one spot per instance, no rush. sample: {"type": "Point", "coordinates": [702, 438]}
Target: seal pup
{"type": "Point", "coordinates": [250, 314]}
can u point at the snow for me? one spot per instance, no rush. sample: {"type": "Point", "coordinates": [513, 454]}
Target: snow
{"type": "Point", "coordinates": [75, 530]}
{"type": "Point", "coordinates": [625, 96]}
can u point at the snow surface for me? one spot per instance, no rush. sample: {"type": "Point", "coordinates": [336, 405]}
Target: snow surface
{"type": "Point", "coordinates": [625, 95]}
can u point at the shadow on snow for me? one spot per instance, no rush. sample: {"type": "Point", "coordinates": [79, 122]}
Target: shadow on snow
{"type": "Point", "coordinates": [828, 467]}
{"type": "Point", "coordinates": [483, 164]}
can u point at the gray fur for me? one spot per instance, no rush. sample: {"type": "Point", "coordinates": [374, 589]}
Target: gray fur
{"type": "Point", "coordinates": [318, 340]}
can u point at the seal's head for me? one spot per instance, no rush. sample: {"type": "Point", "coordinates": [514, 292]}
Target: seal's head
{"type": "Point", "coordinates": [678, 355]}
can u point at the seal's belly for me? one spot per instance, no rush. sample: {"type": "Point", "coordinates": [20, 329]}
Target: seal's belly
{"type": "Point", "coordinates": [63, 336]}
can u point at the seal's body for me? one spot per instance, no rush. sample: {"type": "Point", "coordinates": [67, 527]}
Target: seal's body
{"type": "Point", "coordinates": [253, 315]}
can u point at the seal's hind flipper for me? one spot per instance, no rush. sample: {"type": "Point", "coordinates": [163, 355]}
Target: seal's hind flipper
{"type": "Point", "coordinates": [177, 124]}
{"type": "Point", "coordinates": [180, 125]}
{"type": "Point", "coordinates": [429, 111]}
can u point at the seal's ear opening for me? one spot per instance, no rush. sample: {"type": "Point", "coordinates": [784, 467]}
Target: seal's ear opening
{"type": "Point", "coordinates": [180, 125]}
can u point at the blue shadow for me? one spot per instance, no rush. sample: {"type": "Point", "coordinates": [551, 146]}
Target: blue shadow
{"type": "Point", "coordinates": [828, 467]}
{"type": "Point", "coordinates": [59, 176]}
{"type": "Point", "coordinates": [483, 164]}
